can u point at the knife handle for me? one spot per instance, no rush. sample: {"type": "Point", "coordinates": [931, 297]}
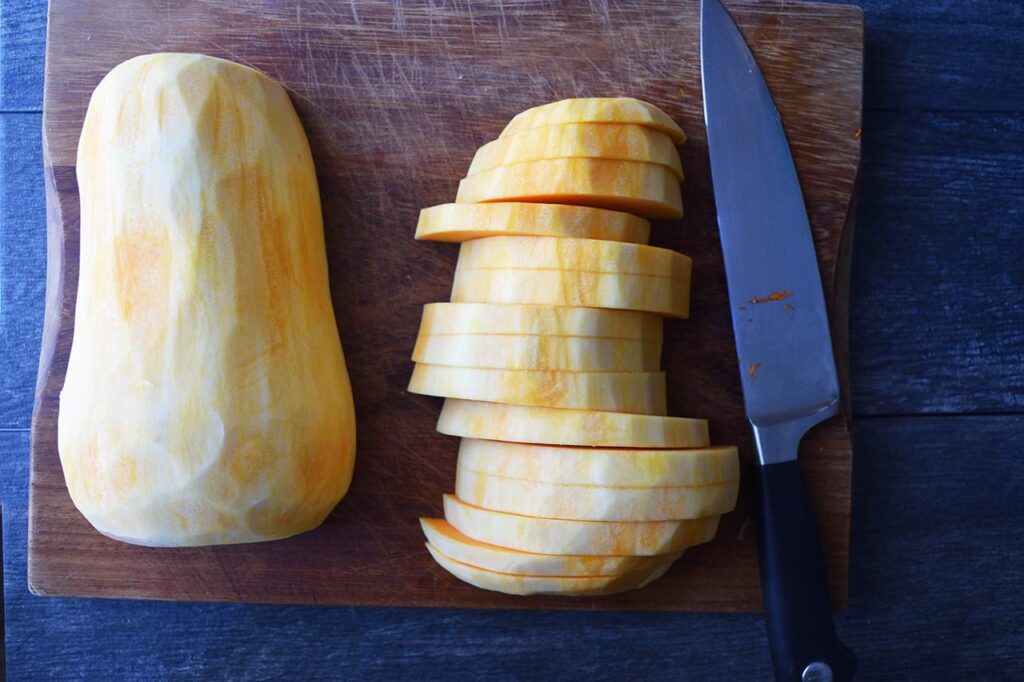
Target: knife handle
{"type": "Point", "coordinates": [797, 608]}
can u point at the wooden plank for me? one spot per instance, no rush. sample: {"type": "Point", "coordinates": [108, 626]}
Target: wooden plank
{"type": "Point", "coordinates": [22, 262]}
{"type": "Point", "coordinates": [395, 98]}
{"type": "Point", "coordinates": [943, 577]}
{"type": "Point", "coordinates": [956, 56]}
{"type": "Point", "coordinates": [22, 42]}
{"type": "Point", "coordinates": [938, 551]}
{"type": "Point", "coordinates": [937, 265]}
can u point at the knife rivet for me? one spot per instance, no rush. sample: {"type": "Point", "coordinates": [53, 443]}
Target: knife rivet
{"type": "Point", "coordinates": [817, 672]}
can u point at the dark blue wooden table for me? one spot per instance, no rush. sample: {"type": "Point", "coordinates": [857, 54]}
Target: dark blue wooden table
{"type": "Point", "coordinates": [937, 346]}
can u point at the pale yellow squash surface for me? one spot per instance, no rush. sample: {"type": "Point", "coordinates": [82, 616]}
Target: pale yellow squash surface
{"type": "Point", "coordinates": [609, 468]}
{"type": "Point", "coordinates": [206, 398]}
{"type": "Point", "coordinates": [462, 222]}
{"type": "Point", "coordinates": [524, 585]}
{"type": "Point", "coordinates": [587, 255]}
{"type": "Point", "coordinates": [561, 353]}
{"type": "Point", "coordinates": [596, 110]}
{"type": "Point", "coordinates": [461, 319]}
{"type": "Point", "coordinates": [541, 425]}
{"type": "Point", "coordinates": [621, 141]}
{"type": "Point", "coordinates": [559, 536]}
{"type": "Point", "coordinates": [593, 503]}
{"type": "Point", "coordinates": [642, 293]}
{"type": "Point", "coordinates": [645, 189]}
{"type": "Point", "coordinates": [634, 392]}
{"type": "Point", "coordinates": [453, 544]}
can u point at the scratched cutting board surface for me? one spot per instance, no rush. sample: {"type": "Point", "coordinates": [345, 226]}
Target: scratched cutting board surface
{"type": "Point", "coordinates": [395, 99]}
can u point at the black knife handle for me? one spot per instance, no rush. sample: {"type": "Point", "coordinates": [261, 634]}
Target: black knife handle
{"type": "Point", "coordinates": [797, 608]}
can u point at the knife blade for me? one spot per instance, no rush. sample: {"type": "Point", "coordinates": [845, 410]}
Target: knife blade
{"type": "Point", "coordinates": [783, 344]}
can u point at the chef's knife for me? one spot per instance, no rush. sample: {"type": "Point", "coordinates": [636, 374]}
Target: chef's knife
{"type": "Point", "coordinates": [783, 344]}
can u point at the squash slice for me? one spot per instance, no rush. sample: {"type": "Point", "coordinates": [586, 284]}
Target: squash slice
{"type": "Point", "coordinates": [618, 468]}
{"type": "Point", "coordinates": [462, 222]}
{"type": "Point", "coordinates": [596, 110]}
{"type": "Point", "coordinates": [588, 255]}
{"type": "Point", "coordinates": [459, 547]}
{"type": "Point", "coordinates": [642, 293]}
{"type": "Point", "coordinates": [592, 538]}
{"type": "Point", "coordinates": [620, 141]}
{"type": "Point", "coordinates": [524, 585]}
{"type": "Point", "coordinates": [634, 392]}
{"type": "Point", "coordinates": [593, 503]}
{"type": "Point", "coordinates": [462, 319]}
{"type": "Point", "coordinates": [562, 353]}
{"type": "Point", "coordinates": [521, 424]}
{"type": "Point", "coordinates": [645, 189]}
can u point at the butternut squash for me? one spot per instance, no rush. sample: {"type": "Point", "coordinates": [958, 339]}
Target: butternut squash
{"type": "Point", "coordinates": [567, 254]}
{"type": "Point", "coordinates": [462, 222]}
{"type": "Point", "coordinates": [555, 585]}
{"type": "Point", "coordinates": [645, 189]}
{"type": "Point", "coordinates": [525, 424]}
{"type": "Point", "coordinates": [643, 293]}
{"type": "Point", "coordinates": [453, 544]}
{"type": "Point", "coordinates": [635, 392]}
{"type": "Point", "coordinates": [592, 538]}
{"type": "Point", "coordinates": [596, 110]}
{"type": "Point", "coordinates": [623, 142]}
{"type": "Point", "coordinates": [206, 399]}
{"type": "Point", "coordinates": [559, 353]}
{"type": "Point", "coordinates": [618, 468]}
{"type": "Point", "coordinates": [463, 319]}
{"type": "Point", "coordinates": [593, 503]}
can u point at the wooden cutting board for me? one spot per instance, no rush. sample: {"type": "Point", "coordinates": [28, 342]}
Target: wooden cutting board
{"type": "Point", "coordinates": [395, 99]}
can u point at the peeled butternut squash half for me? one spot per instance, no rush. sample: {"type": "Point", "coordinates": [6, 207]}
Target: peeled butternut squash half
{"type": "Point", "coordinates": [609, 468]}
{"type": "Point", "coordinates": [542, 425]}
{"type": "Point", "coordinates": [454, 545]}
{"type": "Point", "coordinates": [635, 392]}
{"type": "Point", "coordinates": [620, 141]}
{"type": "Point", "coordinates": [523, 585]}
{"type": "Point", "coordinates": [594, 503]}
{"type": "Point", "coordinates": [559, 536]}
{"type": "Point", "coordinates": [596, 110]}
{"type": "Point", "coordinates": [588, 255]}
{"type": "Point", "coordinates": [464, 319]}
{"type": "Point", "coordinates": [643, 293]}
{"type": "Point", "coordinates": [462, 222]}
{"type": "Point", "coordinates": [559, 353]}
{"type": "Point", "coordinates": [645, 189]}
{"type": "Point", "coordinates": [206, 398]}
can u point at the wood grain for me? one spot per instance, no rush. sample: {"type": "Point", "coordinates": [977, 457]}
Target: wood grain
{"type": "Point", "coordinates": [23, 240]}
{"type": "Point", "coordinates": [395, 99]}
{"type": "Point", "coordinates": [938, 281]}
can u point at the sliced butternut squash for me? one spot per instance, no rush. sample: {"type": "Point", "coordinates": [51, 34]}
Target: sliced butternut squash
{"type": "Point", "coordinates": [634, 392]}
{"type": "Point", "coordinates": [550, 585]}
{"type": "Point", "coordinates": [596, 110]}
{"type": "Point", "coordinates": [621, 141]}
{"type": "Point", "coordinates": [462, 222]}
{"type": "Point", "coordinates": [593, 503]}
{"type": "Point", "coordinates": [562, 353]}
{"type": "Point", "coordinates": [453, 544]}
{"type": "Point", "coordinates": [559, 536]}
{"type": "Point", "coordinates": [461, 319]}
{"type": "Point", "coordinates": [588, 255]}
{"type": "Point", "coordinates": [522, 424]}
{"type": "Point", "coordinates": [645, 189]}
{"type": "Point", "coordinates": [668, 297]}
{"type": "Point", "coordinates": [611, 468]}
